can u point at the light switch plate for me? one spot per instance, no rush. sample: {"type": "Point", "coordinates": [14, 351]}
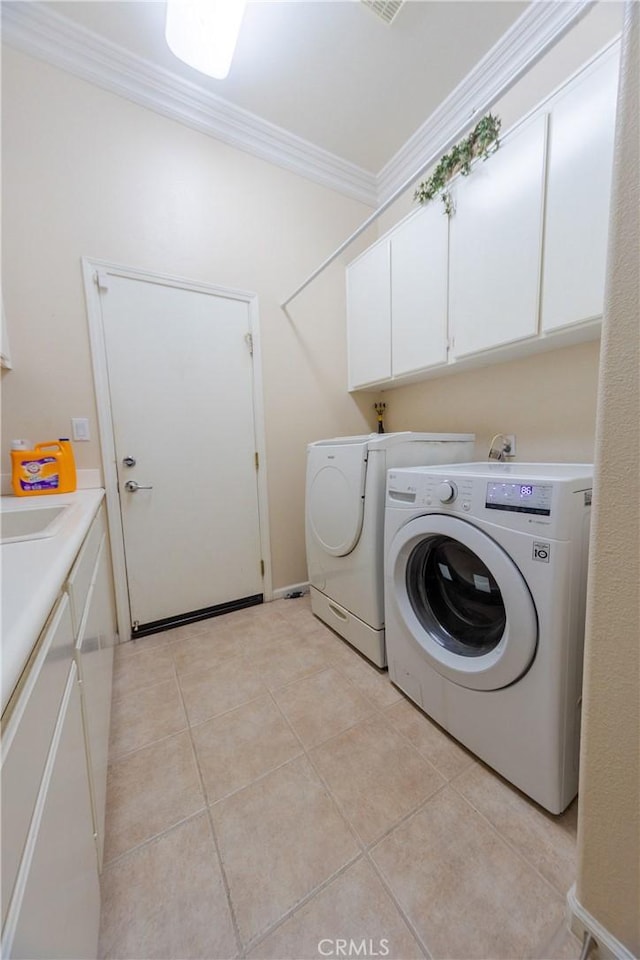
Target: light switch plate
{"type": "Point", "coordinates": [80, 428]}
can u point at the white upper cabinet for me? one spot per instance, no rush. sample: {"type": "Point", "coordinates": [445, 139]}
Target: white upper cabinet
{"type": "Point", "coordinates": [495, 245]}
{"type": "Point", "coordinates": [419, 282]}
{"type": "Point", "coordinates": [520, 263]}
{"type": "Point", "coordinates": [582, 126]}
{"type": "Point", "coordinates": [369, 317]}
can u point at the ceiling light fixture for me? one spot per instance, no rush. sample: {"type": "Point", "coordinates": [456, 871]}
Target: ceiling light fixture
{"type": "Point", "coordinates": [203, 33]}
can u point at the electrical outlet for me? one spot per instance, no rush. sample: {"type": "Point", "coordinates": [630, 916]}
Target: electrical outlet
{"type": "Point", "coordinates": [510, 445]}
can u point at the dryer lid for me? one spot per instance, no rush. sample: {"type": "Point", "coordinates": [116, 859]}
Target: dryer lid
{"type": "Point", "coordinates": [381, 441]}
{"type": "Point", "coordinates": [335, 495]}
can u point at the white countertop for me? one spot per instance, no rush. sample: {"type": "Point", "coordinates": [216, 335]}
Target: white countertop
{"type": "Point", "coordinates": [33, 573]}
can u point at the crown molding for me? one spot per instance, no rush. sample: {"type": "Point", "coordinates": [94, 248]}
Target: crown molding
{"type": "Point", "coordinates": [528, 39]}
{"type": "Point", "coordinates": [42, 33]}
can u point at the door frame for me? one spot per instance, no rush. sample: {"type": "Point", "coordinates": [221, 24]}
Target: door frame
{"type": "Point", "coordinates": [94, 273]}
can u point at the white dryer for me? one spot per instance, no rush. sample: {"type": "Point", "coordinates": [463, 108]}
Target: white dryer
{"type": "Point", "coordinates": [485, 586]}
{"type": "Point", "coordinates": [345, 490]}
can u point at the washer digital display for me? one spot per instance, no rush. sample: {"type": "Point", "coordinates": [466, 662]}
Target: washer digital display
{"type": "Point", "coordinates": [519, 497]}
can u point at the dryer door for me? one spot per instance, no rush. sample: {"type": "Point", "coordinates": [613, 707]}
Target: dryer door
{"type": "Point", "coordinates": [335, 495]}
{"type": "Point", "coordinates": [464, 601]}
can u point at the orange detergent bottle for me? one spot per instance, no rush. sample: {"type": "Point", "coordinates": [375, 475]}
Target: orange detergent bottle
{"type": "Point", "coordinates": [48, 468]}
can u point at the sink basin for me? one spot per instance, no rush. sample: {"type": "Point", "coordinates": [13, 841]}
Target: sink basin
{"type": "Point", "coordinates": [31, 522]}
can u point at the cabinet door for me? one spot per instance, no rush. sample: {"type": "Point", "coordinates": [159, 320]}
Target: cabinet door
{"type": "Point", "coordinates": [95, 664]}
{"type": "Point", "coordinates": [495, 245]}
{"type": "Point", "coordinates": [369, 317]}
{"type": "Point", "coordinates": [84, 568]}
{"type": "Point", "coordinates": [581, 135]}
{"type": "Point", "coordinates": [56, 910]}
{"type": "Point", "coordinates": [419, 283]}
{"type": "Point", "coordinates": [26, 740]}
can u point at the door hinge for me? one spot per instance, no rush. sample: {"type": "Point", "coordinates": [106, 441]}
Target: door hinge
{"type": "Point", "coordinates": [249, 341]}
{"type": "Point", "coordinates": [262, 568]}
{"type": "Point", "coordinates": [101, 280]}
{"type": "Point", "coordinates": [257, 460]}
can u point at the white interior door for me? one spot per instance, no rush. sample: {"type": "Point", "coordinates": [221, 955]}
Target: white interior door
{"type": "Point", "coordinates": [180, 382]}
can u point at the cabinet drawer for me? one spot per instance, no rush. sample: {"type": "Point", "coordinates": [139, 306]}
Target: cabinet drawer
{"type": "Point", "coordinates": [27, 738]}
{"type": "Point", "coordinates": [82, 570]}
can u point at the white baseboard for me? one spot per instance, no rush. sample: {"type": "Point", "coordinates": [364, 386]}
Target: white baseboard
{"type": "Point", "coordinates": [283, 592]}
{"type": "Point", "coordinates": [581, 922]}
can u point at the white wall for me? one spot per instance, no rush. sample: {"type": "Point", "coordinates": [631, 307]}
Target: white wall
{"type": "Point", "coordinates": [87, 173]}
{"type": "Point", "coordinates": [548, 401]}
{"type": "Point", "coordinates": [608, 885]}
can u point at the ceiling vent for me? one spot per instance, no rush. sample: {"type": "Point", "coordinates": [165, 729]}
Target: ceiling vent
{"type": "Point", "coordinates": [387, 10]}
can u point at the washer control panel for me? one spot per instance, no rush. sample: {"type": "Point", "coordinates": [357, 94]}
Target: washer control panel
{"type": "Point", "coordinates": [425, 490]}
{"type": "Point", "coordinates": [460, 494]}
{"type": "Point", "coordinates": [532, 498]}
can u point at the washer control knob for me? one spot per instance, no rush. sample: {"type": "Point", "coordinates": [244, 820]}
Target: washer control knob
{"type": "Point", "coordinates": [447, 491]}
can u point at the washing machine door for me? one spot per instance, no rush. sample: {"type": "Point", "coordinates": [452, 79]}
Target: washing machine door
{"type": "Point", "coordinates": [464, 602]}
{"type": "Point", "coordinates": [336, 475]}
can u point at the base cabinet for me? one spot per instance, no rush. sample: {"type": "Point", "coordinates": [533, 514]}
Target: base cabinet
{"type": "Point", "coordinates": [26, 742]}
{"type": "Point", "coordinates": [54, 769]}
{"type": "Point", "coordinates": [56, 906]}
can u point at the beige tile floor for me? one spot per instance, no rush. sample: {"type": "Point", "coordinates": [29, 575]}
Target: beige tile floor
{"type": "Point", "coordinates": [271, 793]}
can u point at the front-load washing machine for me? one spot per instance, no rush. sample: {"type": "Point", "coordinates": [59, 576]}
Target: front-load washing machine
{"type": "Point", "coordinates": [344, 523]}
{"type": "Point", "coordinates": [485, 586]}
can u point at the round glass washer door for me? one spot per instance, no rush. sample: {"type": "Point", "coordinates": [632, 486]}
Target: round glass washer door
{"type": "Point", "coordinates": [464, 601]}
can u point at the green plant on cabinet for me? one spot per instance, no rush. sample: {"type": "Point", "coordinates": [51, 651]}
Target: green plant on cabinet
{"type": "Point", "coordinates": [481, 142]}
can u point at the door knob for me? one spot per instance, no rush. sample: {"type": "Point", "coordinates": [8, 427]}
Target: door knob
{"type": "Point", "coordinates": [132, 486]}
